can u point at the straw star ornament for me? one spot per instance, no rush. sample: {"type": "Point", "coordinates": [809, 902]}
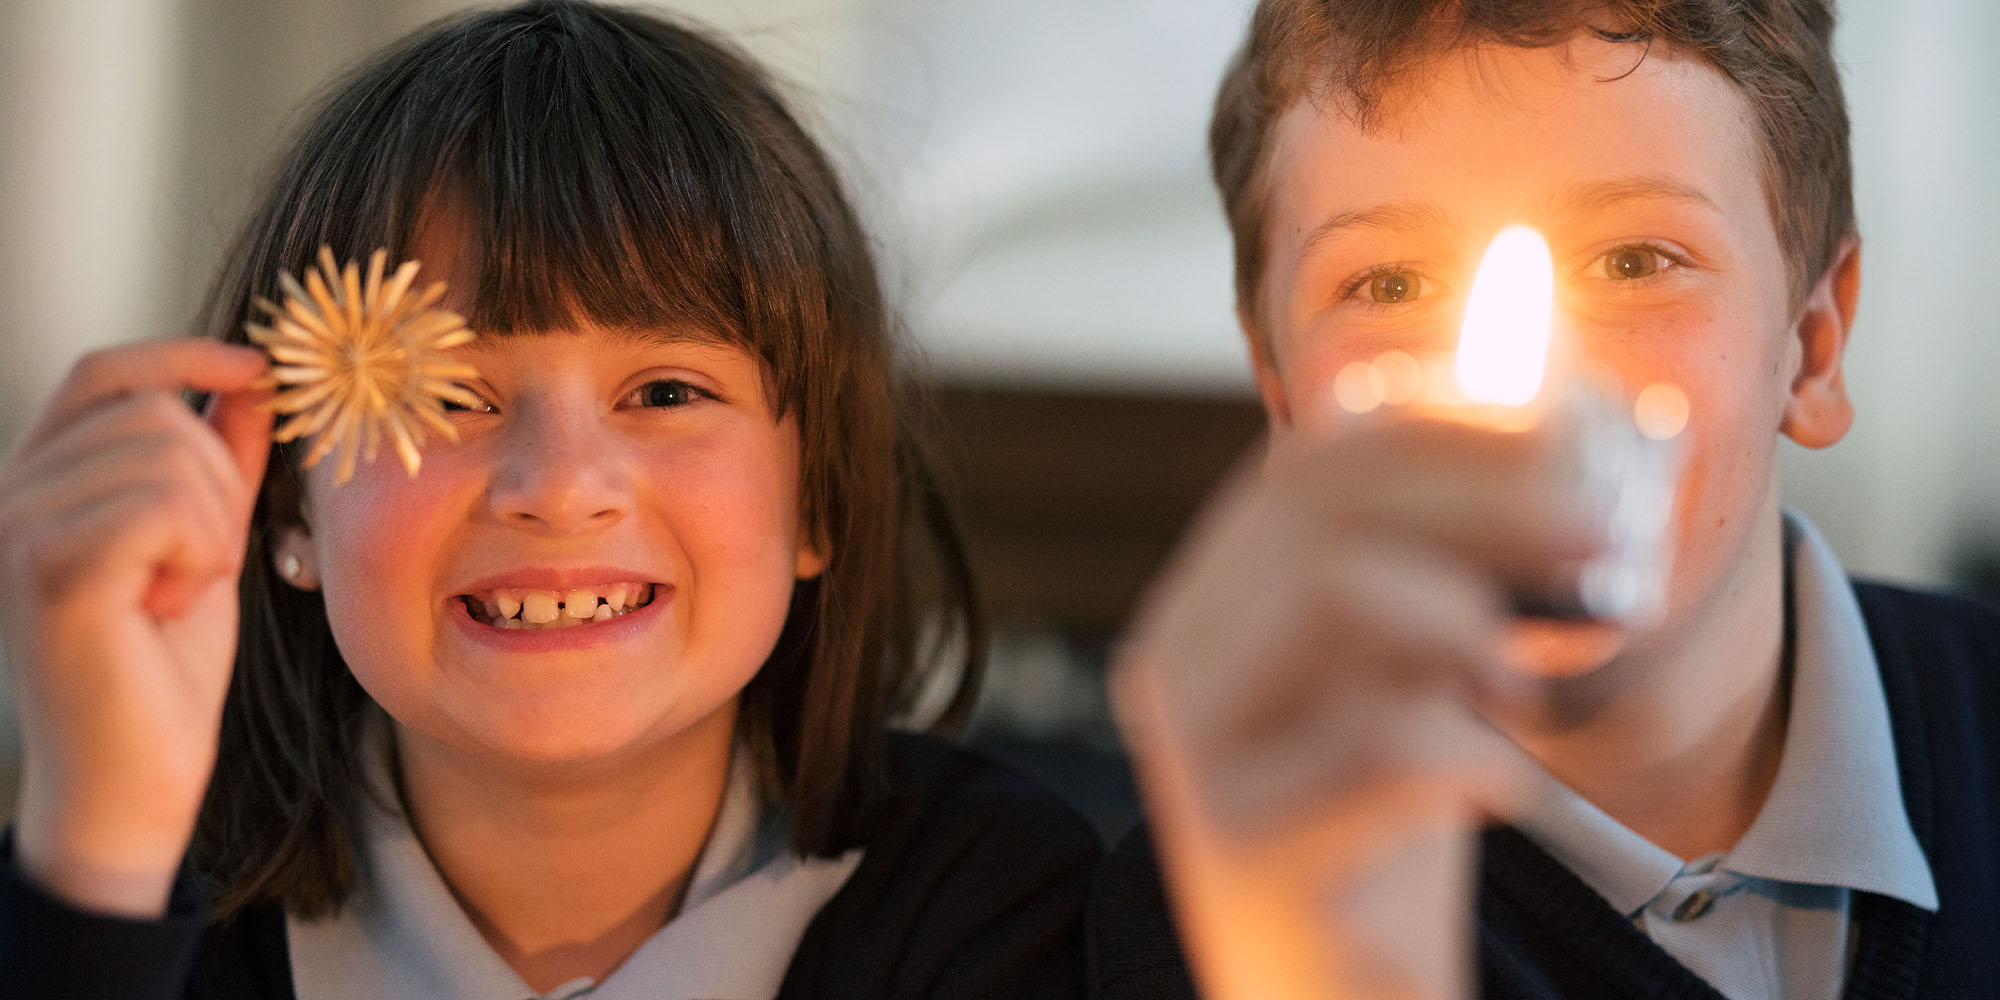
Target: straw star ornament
{"type": "Point", "coordinates": [362, 360]}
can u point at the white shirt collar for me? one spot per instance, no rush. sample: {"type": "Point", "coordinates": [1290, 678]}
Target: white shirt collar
{"type": "Point", "coordinates": [402, 933]}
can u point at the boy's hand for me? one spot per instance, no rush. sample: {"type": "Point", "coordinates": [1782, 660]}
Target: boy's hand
{"type": "Point", "coordinates": [1300, 693]}
{"type": "Point", "coordinates": [123, 524]}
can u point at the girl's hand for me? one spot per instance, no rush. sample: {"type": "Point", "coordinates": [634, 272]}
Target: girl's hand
{"type": "Point", "coordinates": [124, 519]}
{"type": "Point", "coordinates": [1300, 696]}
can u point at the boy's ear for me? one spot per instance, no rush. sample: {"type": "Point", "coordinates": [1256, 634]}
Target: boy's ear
{"type": "Point", "coordinates": [1817, 410]}
{"type": "Point", "coordinates": [1270, 388]}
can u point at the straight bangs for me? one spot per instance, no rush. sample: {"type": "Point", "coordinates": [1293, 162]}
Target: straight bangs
{"type": "Point", "coordinates": [596, 174]}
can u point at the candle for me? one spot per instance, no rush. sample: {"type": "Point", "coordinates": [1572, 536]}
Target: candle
{"type": "Point", "coordinates": [1624, 452]}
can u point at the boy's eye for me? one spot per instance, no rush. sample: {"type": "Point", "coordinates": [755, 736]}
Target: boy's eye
{"type": "Point", "coordinates": [1388, 285]}
{"type": "Point", "coordinates": [663, 393]}
{"type": "Point", "coordinates": [1628, 263]}
{"type": "Point", "coordinates": [1395, 286]}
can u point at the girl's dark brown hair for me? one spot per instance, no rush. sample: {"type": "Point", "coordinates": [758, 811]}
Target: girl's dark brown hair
{"type": "Point", "coordinates": [1343, 54]}
{"type": "Point", "coordinates": [619, 167]}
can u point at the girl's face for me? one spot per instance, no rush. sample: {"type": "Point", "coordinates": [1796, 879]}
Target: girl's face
{"type": "Point", "coordinates": [609, 469]}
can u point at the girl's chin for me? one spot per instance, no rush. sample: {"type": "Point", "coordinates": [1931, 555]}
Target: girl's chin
{"type": "Point", "coordinates": [547, 739]}
{"type": "Point", "coordinates": [1551, 649]}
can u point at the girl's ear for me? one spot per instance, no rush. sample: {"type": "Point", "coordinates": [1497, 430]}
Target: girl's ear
{"type": "Point", "coordinates": [1817, 410]}
{"type": "Point", "coordinates": [292, 553]}
{"type": "Point", "coordinates": [294, 559]}
{"type": "Point", "coordinates": [810, 559]}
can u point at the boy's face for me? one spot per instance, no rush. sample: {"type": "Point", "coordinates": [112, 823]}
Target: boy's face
{"type": "Point", "coordinates": [1647, 183]}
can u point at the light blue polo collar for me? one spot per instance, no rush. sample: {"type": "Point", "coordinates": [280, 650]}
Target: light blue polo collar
{"type": "Point", "coordinates": [1835, 814]}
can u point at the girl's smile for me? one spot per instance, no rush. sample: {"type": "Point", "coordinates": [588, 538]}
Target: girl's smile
{"type": "Point", "coordinates": [559, 616]}
{"type": "Point", "coordinates": [558, 605]}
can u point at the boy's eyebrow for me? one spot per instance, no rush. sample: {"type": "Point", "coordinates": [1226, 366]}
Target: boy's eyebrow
{"type": "Point", "coordinates": [1400, 216]}
{"type": "Point", "coordinates": [1412, 216]}
{"type": "Point", "coordinates": [1598, 195]}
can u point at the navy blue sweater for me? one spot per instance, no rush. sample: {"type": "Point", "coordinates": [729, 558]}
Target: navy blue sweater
{"type": "Point", "coordinates": [972, 885]}
{"type": "Point", "coordinates": [1543, 933]}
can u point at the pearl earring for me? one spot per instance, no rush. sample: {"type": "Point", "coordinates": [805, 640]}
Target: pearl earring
{"type": "Point", "coordinates": [290, 567]}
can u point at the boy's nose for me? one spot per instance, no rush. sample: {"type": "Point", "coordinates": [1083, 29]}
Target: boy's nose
{"type": "Point", "coordinates": [560, 472]}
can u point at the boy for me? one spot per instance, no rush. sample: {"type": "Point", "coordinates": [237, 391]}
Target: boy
{"type": "Point", "coordinates": [1777, 786]}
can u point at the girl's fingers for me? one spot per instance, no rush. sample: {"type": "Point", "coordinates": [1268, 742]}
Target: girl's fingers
{"type": "Point", "coordinates": [149, 446]}
{"type": "Point", "coordinates": [142, 433]}
{"type": "Point", "coordinates": [245, 432]}
{"type": "Point", "coordinates": [168, 365]}
{"type": "Point", "coordinates": [77, 553]}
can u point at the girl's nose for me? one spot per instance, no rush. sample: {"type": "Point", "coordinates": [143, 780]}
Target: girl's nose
{"type": "Point", "coordinates": [559, 471]}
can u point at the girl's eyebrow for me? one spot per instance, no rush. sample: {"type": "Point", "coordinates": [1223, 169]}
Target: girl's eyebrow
{"type": "Point", "coordinates": [631, 336]}
{"type": "Point", "coordinates": [672, 336]}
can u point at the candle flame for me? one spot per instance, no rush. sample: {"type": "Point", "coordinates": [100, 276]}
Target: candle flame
{"type": "Point", "coordinates": [1505, 343]}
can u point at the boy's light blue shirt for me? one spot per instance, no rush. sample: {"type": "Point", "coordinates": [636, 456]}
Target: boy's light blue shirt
{"type": "Point", "coordinates": [1769, 918]}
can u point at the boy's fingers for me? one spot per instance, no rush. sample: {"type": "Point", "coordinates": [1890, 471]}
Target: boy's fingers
{"type": "Point", "coordinates": [1366, 774]}
{"type": "Point", "coordinates": [1506, 502]}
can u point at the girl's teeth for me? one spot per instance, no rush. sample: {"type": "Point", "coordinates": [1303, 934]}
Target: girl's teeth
{"type": "Point", "coordinates": [538, 608]}
{"type": "Point", "coordinates": [529, 609]}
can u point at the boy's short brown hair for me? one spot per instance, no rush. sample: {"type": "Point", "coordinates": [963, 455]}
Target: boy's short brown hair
{"type": "Point", "coordinates": [1343, 54]}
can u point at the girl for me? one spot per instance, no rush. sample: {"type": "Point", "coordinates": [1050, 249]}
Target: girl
{"type": "Point", "coordinates": [686, 419]}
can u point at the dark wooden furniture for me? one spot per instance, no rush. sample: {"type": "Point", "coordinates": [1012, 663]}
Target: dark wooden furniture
{"type": "Point", "coordinates": [1070, 499]}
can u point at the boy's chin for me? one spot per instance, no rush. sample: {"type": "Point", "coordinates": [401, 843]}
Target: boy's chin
{"type": "Point", "coordinates": [1553, 649]}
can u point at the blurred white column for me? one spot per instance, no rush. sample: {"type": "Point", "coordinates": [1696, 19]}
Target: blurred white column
{"type": "Point", "coordinates": [89, 107]}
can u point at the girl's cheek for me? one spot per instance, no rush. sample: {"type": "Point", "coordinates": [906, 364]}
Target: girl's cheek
{"type": "Point", "coordinates": [379, 535]}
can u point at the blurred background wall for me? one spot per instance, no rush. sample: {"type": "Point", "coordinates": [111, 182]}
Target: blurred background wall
{"type": "Point", "coordinates": [1034, 171]}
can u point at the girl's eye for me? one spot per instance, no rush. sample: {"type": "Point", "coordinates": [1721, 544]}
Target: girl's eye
{"type": "Point", "coordinates": [666, 393]}
{"type": "Point", "coordinates": [467, 402]}
{"type": "Point", "coordinates": [1633, 262]}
